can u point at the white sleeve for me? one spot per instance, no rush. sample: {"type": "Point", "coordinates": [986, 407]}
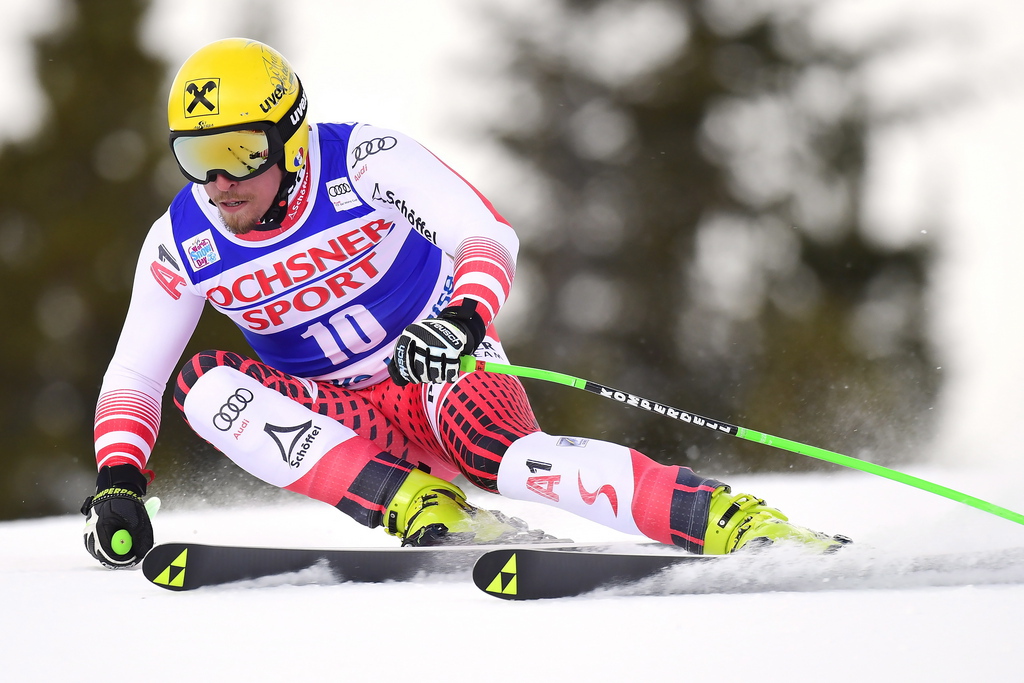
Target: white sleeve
{"type": "Point", "coordinates": [161, 318]}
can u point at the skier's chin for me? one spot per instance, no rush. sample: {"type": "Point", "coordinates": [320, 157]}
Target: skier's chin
{"type": "Point", "coordinates": [239, 223]}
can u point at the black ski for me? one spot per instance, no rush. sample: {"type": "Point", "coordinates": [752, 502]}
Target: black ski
{"type": "Point", "coordinates": [187, 566]}
{"type": "Point", "coordinates": [529, 574]}
{"type": "Point", "coordinates": [565, 569]}
{"type": "Point", "coordinates": [533, 573]}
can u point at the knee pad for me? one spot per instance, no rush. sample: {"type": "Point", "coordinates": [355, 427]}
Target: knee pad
{"type": "Point", "coordinates": [590, 478]}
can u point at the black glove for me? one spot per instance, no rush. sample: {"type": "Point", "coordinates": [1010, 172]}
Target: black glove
{"type": "Point", "coordinates": [429, 350]}
{"type": "Point", "coordinates": [118, 531]}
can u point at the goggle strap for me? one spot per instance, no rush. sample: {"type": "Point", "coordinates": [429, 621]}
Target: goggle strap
{"type": "Point", "coordinates": [293, 118]}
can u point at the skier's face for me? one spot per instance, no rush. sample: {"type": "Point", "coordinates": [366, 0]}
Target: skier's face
{"type": "Point", "coordinates": [243, 202]}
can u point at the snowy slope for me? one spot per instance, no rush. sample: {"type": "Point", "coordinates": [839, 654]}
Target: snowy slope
{"type": "Point", "coordinates": [65, 618]}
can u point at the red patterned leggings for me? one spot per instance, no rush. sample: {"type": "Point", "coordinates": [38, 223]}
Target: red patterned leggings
{"type": "Point", "coordinates": [444, 429]}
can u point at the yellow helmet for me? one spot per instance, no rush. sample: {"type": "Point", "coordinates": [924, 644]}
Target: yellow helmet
{"type": "Point", "coordinates": [236, 108]}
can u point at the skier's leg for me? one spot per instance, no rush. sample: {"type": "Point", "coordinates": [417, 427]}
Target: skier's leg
{"type": "Point", "coordinates": [610, 484]}
{"type": "Point", "coordinates": [485, 424]}
{"type": "Point", "coordinates": [626, 490]}
{"type": "Point", "coordinates": [317, 440]}
{"type": "Point", "coordinates": [468, 425]}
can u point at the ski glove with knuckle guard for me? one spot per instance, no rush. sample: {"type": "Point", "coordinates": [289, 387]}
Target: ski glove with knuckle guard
{"type": "Point", "coordinates": [429, 350]}
{"type": "Point", "coordinates": [118, 531]}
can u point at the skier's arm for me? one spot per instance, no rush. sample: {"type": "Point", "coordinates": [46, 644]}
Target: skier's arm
{"type": "Point", "coordinates": [446, 210]}
{"type": "Point", "coordinates": [161, 318]}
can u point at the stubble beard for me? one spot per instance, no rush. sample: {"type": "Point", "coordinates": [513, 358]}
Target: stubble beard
{"type": "Point", "coordinates": [238, 225]}
{"type": "Point", "coordinates": [240, 222]}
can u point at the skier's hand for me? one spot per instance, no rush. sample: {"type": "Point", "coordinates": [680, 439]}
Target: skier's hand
{"type": "Point", "coordinates": [118, 531]}
{"type": "Point", "coordinates": [429, 350]}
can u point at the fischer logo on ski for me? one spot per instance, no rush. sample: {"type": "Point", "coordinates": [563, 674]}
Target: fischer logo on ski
{"type": "Point", "coordinates": [171, 578]}
{"type": "Point", "coordinates": [505, 582]}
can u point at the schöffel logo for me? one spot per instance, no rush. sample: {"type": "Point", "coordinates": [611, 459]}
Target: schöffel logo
{"type": "Point", "coordinates": [293, 442]}
{"type": "Point", "coordinates": [417, 222]}
{"type": "Point", "coordinates": [201, 250]}
{"type": "Point", "coordinates": [202, 97]}
{"type": "Point", "coordinates": [341, 194]}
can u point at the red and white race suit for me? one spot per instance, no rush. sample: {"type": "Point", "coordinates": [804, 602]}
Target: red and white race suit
{"type": "Point", "coordinates": [379, 233]}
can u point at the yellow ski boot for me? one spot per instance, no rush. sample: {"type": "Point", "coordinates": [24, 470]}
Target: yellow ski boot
{"type": "Point", "coordinates": [429, 511]}
{"type": "Point", "coordinates": [739, 520]}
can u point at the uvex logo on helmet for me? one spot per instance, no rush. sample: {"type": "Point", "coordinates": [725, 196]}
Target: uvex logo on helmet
{"type": "Point", "coordinates": [271, 100]}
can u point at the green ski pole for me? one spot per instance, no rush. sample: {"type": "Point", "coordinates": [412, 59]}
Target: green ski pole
{"type": "Point", "coordinates": [471, 364]}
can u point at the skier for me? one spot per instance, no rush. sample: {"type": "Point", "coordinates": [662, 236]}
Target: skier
{"type": "Point", "coordinates": [359, 268]}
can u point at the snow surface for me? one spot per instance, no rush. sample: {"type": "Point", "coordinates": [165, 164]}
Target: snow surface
{"type": "Point", "coordinates": [65, 618]}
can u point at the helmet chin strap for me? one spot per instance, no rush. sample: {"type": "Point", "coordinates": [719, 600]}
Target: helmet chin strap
{"type": "Point", "coordinates": [271, 220]}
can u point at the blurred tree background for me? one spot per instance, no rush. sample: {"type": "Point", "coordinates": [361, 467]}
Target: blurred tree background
{"type": "Point", "coordinates": [691, 230]}
{"type": "Point", "coordinates": [693, 175]}
{"type": "Point", "coordinates": [79, 198]}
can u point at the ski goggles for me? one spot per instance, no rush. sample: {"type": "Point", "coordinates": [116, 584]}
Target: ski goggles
{"type": "Point", "coordinates": [237, 152]}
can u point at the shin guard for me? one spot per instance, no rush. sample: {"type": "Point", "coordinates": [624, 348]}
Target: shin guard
{"type": "Point", "coordinates": [610, 484]}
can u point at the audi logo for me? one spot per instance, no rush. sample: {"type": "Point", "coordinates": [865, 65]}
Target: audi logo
{"type": "Point", "coordinates": [339, 189]}
{"type": "Point", "coordinates": [371, 147]}
{"type": "Point", "coordinates": [232, 408]}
